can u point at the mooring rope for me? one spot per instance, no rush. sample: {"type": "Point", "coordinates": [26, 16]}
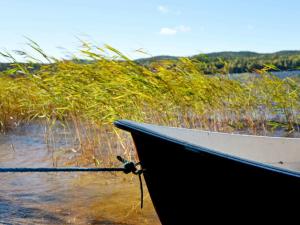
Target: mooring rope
{"type": "Point", "coordinates": [128, 167]}
{"type": "Point", "coordinates": [59, 169]}
{"type": "Point", "coordinates": [132, 167]}
{"type": "Point", "coordinates": [141, 190]}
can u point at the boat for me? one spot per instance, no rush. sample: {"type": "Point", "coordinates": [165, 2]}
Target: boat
{"type": "Point", "coordinates": [195, 176]}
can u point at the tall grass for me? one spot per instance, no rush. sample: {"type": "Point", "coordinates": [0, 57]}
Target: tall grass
{"type": "Point", "coordinates": [89, 95]}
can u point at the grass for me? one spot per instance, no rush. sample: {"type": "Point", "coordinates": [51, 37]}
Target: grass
{"type": "Point", "coordinates": [85, 97]}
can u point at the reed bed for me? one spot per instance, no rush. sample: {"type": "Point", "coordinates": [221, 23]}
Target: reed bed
{"type": "Point", "coordinates": [86, 96]}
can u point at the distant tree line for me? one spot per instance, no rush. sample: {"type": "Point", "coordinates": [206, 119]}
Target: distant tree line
{"type": "Point", "coordinates": [8, 66]}
{"type": "Point", "coordinates": [4, 66]}
{"type": "Point", "coordinates": [220, 62]}
{"type": "Point", "coordinates": [240, 62]}
{"type": "Point", "coordinates": [234, 62]}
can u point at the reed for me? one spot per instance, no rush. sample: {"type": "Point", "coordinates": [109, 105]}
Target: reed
{"type": "Point", "coordinates": [86, 96]}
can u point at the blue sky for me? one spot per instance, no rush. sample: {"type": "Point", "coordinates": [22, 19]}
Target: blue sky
{"type": "Point", "coordinates": [161, 27]}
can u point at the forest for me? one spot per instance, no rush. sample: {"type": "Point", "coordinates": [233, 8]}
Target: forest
{"type": "Point", "coordinates": [235, 62]}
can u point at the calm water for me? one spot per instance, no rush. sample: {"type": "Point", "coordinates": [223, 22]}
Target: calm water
{"type": "Point", "coordinates": [63, 198]}
{"type": "Point", "coordinates": [280, 74]}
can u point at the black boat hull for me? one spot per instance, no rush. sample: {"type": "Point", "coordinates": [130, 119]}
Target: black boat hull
{"type": "Point", "coordinates": [190, 186]}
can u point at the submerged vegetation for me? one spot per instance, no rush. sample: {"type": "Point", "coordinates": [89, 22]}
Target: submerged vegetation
{"type": "Point", "coordinates": [89, 96]}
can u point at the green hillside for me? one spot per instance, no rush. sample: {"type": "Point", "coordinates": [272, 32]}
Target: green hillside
{"type": "Point", "coordinates": [235, 62]}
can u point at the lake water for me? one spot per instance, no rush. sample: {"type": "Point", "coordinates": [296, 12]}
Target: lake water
{"type": "Point", "coordinates": [67, 198]}
{"type": "Point", "coordinates": [64, 198]}
{"type": "Point", "coordinates": [280, 74]}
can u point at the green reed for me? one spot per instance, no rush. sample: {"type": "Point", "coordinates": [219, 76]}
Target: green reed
{"type": "Point", "coordinates": [90, 94]}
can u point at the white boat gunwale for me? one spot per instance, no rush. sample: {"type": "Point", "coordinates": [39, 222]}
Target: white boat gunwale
{"type": "Point", "coordinates": [136, 127]}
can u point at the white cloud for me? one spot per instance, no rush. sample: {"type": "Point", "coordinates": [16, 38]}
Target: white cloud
{"type": "Point", "coordinates": [167, 31]}
{"type": "Point", "coordinates": [163, 9]}
{"type": "Point", "coordinates": [174, 30]}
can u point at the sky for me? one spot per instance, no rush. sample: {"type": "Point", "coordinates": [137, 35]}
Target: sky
{"type": "Point", "coordinates": [159, 27]}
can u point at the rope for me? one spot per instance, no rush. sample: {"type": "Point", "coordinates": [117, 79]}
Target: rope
{"type": "Point", "coordinates": [128, 167]}
{"type": "Point", "coordinates": [132, 167]}
{"type": "Point", "coordinates": [61, 169]}
{"type": "Point", "coordinates": [141, 190]}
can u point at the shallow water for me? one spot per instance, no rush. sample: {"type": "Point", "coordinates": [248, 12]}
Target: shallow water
{"type": "Point", "coordinates": [64, 198]}
{"type": "Point", "coordinates": [67, 198]}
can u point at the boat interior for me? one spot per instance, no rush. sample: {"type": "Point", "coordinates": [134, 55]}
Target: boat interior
{"type": "Point", "coordinates": [276, 151]}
